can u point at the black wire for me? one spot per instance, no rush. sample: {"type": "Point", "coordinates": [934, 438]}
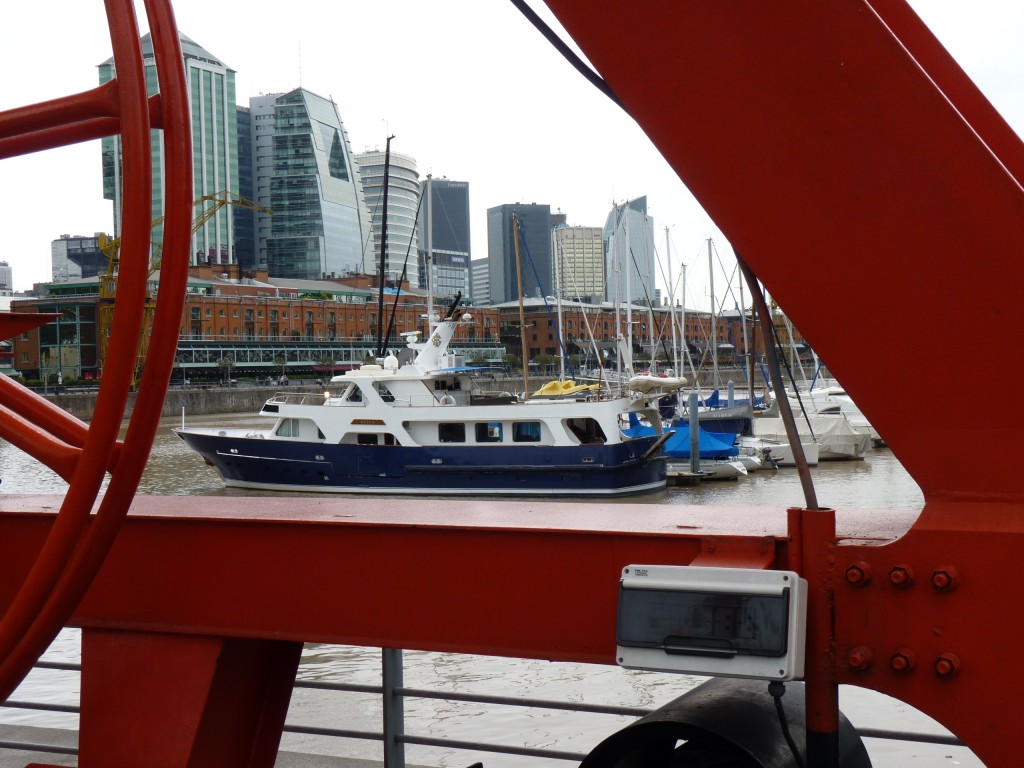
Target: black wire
{"type": "Point", "coordinates": [581, 66]}
{"type": "Point", "coordinates": [777, 689]}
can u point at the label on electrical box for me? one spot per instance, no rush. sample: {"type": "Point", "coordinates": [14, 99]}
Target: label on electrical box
{"type": "Point", "coordinates": [726, 622]}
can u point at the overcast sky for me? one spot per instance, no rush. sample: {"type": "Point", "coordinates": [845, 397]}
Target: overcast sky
{"type": "Point", "coordinates": [468, 88]}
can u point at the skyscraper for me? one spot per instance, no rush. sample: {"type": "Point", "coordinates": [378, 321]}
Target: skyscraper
{"type": "Point", "coordinates": [535, 222]}
{"type": "Point", "coordinates": [444, 234]}
{"type": "Point", "coordinates": [6, 277]}
{"type": "Point", "coordinates": [244, 219]}
{"type": "Point", "coordinates": [579, 262]}
{"type": "Point", "coordinates": [403, 200]}
{"type": "Point", "coordinates": [304, 172]}
{"type": "Point", "coordinates": [73, 257]}
{"type": "Point", "coordinates": [629, 253]}
{"type": "Point", "coordinates": [211, 87]}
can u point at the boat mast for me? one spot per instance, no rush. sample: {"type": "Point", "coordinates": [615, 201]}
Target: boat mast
{"type": "Point", "coordinates": [628, 258]}
{"type": "Point", "coordinates": [430, 252]}
{"type": "Point", "coordinates": [714, 322]}
{"type": "Point", "coordinates": [747, 350]}
{"type": "Point", "coordinates": [522, 316]}
{"type": "Point", "coordinates": [671, 307]}
{"type": "Point", "coordinates": [383, 249]}
{"type": "Point", "coordinates": [558, 304]}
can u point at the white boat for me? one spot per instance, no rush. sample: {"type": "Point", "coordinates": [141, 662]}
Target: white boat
{"type": "Point", "coordinates": [835, 438]}
{"type": "Point", "coordinates": [712, 469]}
{"type": "Point", "coordinates": [422, 427]}
{"type": "Point", "coordinates": [834, 399]}
{"type": "Point", "coordinates": [777, 453]}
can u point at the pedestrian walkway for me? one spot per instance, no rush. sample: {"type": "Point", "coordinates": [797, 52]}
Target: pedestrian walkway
{"type": "Point", "coordinates": [30, 735]}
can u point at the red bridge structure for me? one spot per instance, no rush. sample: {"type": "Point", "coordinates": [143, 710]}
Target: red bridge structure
{"type": "Point", "coordinates": [842, 152]}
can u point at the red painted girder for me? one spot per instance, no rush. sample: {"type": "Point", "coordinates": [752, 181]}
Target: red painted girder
{"type": "Point", "coordinates": [502, 578]}
{"type": "Point", "coordinates": [857, 182]}
{"type": "Point", "coordinates": [961, 601]}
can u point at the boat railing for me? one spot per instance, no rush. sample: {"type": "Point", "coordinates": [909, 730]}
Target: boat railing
{"type": "Point", "coordinates": [297, 398]}
{"type": "Point", "coordinates": [393, 735]}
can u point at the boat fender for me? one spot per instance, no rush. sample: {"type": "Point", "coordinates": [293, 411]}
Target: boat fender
{"type": "Point", "coordinates": [447, 400]}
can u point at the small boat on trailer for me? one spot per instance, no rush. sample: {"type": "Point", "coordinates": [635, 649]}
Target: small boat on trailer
{"type": "Point", "coordinates": [422, 427]}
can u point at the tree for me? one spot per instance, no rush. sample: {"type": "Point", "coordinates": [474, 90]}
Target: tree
{"type": "Point", "coordinates": [225, 364]}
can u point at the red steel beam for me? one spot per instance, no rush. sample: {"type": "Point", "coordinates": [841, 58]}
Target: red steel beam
{"type": "Point", "coordinates": [500, 578]}
{"type": "Point", "coordinates": [873, 193]}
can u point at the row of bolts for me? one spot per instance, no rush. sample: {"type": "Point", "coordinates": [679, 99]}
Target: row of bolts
{"type": "Point", "coordinates": [943, 579]}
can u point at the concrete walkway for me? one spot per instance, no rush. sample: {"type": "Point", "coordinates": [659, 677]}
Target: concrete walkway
{"type": "Point", "coordinates": [28, 736]}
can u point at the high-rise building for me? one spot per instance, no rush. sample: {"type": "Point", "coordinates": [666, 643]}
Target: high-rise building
{"type": "Point", "coordinates": [73, 257]}
{"type": "Point", "coordinates": [579, 262]}
{"type": "Point", "coordinates": [243, 219]}
{"type": "Point", "coordinates": [211, 90]}
{"type": "Point", "coordinates": [629, 253]}
{"type": "Point", "coordinates": [535, 222]}
{"type": "Point", "coordinates": [480, 287]}
{"type": "Point", "coordinates": [444, 237]}
{"type": "Point", "coordinates": [6, 277]}
{"type": "Point", "coordinates": [304, 171]}
{"type": "Point", "coordinates": [402, 255]}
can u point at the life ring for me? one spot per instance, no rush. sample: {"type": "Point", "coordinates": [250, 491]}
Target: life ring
{"type": "Point", "coordinates": [447, 400]}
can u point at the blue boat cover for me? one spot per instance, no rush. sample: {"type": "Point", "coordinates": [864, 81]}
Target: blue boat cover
{"type": "Point", "coordinates": [712, 445]}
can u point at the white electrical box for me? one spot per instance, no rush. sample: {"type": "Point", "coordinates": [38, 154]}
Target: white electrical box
{"type": "Point", "coordinates": [726, 622]}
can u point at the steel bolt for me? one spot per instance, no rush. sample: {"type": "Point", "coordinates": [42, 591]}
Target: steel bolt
{"type": "Point", "coordinates": [947, 665]}
{"type": "Point", "coordinates": [858, 574]}
{"type": "Point", "coordinates": [904, 660]}
{"type": "Point", "coordinates": [901, 576]}
{"type": "Point", "coordinates": [945, 579]}
{"type": "Point", "coordinates": [860, 658]}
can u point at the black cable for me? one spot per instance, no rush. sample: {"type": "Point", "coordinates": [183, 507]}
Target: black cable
{"type": "Point", "coordinates": [581, 66]}
{"type": "Point", "coordinates": [777, 689]}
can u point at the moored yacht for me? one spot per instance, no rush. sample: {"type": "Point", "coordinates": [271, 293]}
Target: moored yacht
{"type": "Point", "coordinates": [422, 427]}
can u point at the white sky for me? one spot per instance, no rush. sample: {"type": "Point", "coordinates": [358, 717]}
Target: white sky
{"type": "Point", "coordinates": [469, 88]}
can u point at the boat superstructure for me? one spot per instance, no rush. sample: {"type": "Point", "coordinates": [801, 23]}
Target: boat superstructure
{"type": "Point", "coordinates": [423, 426]}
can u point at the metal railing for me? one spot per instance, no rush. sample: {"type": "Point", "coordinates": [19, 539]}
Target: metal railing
{"type": "Point", "coordinates": [393, 736]}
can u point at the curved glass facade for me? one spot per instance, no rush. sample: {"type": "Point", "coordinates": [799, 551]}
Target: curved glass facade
{"type": "Point", "coordinates": [320, 225]}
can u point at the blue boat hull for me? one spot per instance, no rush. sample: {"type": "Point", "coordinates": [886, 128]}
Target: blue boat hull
{"type": "Point", "coordinates": [572, 471]}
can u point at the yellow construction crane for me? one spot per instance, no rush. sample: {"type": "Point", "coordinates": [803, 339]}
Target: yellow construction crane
{"type": "Point", "coordinates": [111, 246]}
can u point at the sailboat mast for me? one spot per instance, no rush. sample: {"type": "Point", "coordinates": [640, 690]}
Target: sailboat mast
{"type": "Point", "coordinates": [671, 306]}
{"type": "Point", "coordinates": [558, 303]}
{"type": "Point", "coordinates": [522, 315]}
{"type": "Point", "coordinates": [383, 249]}
{"type": "Point", "coordinates": [746, 348]}
{"type": "Point", "coordinates": [430, 251]}
{"type": "Point", "coordinates": [714, 321]}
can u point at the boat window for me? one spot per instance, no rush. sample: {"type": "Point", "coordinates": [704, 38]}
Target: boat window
{"type": "Point", "coordinates": [354, 394]}
{"type": "Point", "coordinates": [288, 428]}
{"type": "Point", "coordinates": [385, 394]}
{"type": "Point", "coordinates": [389, 439]}
{"type": "Point", "coordinates": [587, 431]}
{"type": "Point", "coordinates": [365, 439]}
{"type": "Point", "coordinates": [526, 431]}
{"type": "Point", "coordinates": [488, 432]}
{"type": "Point", "coordinates": [451, 432]}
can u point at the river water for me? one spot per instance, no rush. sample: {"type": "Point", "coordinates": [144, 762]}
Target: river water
{"type": "Point", "coordinates": [879, 482]}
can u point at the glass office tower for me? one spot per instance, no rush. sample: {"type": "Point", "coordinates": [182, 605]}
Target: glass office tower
{"type": "Point", "coordinates": [211, 86]}
{"type": "Point", "coordinates": [303, 171]}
